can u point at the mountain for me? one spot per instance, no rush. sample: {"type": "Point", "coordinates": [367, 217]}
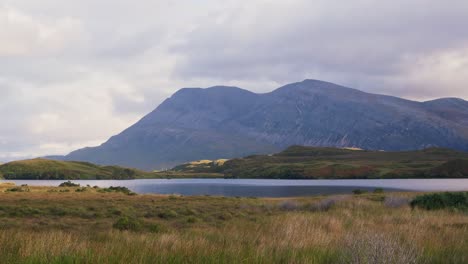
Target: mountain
{"type": "Point", "coordinates": [300, 162]}
{"type": "Point", "coordinates": [54, 169]}
{"type": "Point", "coordinates": [226, 122]}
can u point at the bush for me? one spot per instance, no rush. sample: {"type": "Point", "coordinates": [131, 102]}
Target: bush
{"type": "Point", "coordinates": [359, 191]}
{"type": "Point", "coordinates": [225, 216]}
{"type": "Point", "coordinates": [168, 214]}
{"type": "Point", "coordinates": [18, 189]}
{"type": "Point", "coordinates": [118, 189]}
{"type": "Point", "coordinates": [57, 211]}
{"type": "Point", "coordinates": [436, 201]}
{"type": "Point", "coordinates": [125, 223]}
{"type": "Point", "coordinates": [378, 190]}
{"type": "Point", "coordinates": [24, 212]}
{"type": "Point", "coordinates": [69, 184]}
{"type": "Point", "coordinates": [192, 220]}
{"type": "Point", "coordinates": [82, 189]}
{"type": "Point", "coordinates": [115, 211]}
{"type": "Point", "coordinates": [155, 228]}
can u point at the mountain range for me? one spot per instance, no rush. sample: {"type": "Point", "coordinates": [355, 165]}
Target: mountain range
{"type": "Point", "coordinates": [227, 122]}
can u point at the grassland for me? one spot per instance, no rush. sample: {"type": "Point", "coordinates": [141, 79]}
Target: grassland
{"type": "Point", "coordinates": [296, 162]}
{"type": "Point", "coordinates": [53, 169]}
{"type": "Point", "coordinates": [92, 225]}
{"type": "Point", "coordinates": [299, 162]}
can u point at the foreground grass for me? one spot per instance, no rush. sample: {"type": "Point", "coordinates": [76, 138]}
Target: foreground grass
{"type": "Point", "coordinates": [61, 225]}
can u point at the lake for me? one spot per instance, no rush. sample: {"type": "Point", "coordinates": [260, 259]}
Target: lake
{"type": "Point", "coordinates": [263, 188]}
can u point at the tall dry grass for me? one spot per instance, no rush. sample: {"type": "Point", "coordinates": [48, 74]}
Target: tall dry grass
{"type": "Point", "coordinates": [342, 230]}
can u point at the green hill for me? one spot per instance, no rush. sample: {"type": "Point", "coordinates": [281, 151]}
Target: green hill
{"type": "Point", "coordinates": [52, 169]}
{"type": "Point", "coordinates": [298, 162]}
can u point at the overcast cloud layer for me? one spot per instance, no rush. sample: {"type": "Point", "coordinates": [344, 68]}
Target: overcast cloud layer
{"type": "Point", "coordinates": [73, 73]}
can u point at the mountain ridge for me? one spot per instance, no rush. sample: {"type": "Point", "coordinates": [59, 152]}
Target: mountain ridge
{"type": "Point", "coordinates": [226, 122]}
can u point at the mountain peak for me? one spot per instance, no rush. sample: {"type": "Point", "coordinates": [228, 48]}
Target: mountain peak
{"type": "Point", "coordinates": [317, 87]}
{"type": "Point", "coordinates": [212, 89]}
{"type": "Point", "coordinates": [317, 84]}
{"type": "Point", "coordinates": [447, 101]}
{"type": "Point", "coordinates": [228, 122]}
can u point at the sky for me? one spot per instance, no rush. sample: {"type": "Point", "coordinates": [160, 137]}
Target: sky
{"type": "Point", "coordinates": [74, 73]}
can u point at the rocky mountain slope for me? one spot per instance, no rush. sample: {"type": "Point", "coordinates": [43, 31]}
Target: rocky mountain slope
{"type": "Point", "coordinates": [227, 122]}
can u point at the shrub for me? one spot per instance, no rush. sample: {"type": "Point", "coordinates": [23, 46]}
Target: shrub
{"type": "Point", "coordinates": [155, 228]}
{"type": "Point", "coordinates": [225, 216]}
{"type": "Point", "coordinates": [168, 214]}
{"type": "Point", "coordinates": [378, 190]}
{"type": "Point", "coordinates": [82, 189]}
{"type": "Point", "coordinates": [18, 189]}
{"type": "Point", "coordinates": [192, 220]}
{"type": "Point", "coordinates": [190, 211]}
{"type": "Point", "coordinates": [436, 201]}
{"type": "Point", "coordinates": [359, 191]}
{"type": "Point", "coordinates": [57, 211]}
{"type": "Point", "coordinates": [69, 184]}
{"type": "Point", "coordinates": [24, 212]}
{"type": "Point", "coordinates": [125, 223]}
{"type": "Point", "coordinates": [395, 202]}
{"type": "Point", "coordinates": [115, 211]}
{"type": "Point", "coordinates": [118, 189]}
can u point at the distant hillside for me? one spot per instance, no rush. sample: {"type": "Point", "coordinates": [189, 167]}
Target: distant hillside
{"type": "Point", "coordinates": [227, 122]}
{"type": "Point", "coordinates": [296, 162]}
{"type": "Point", "coordinates": [51, 169]}
{"type": "Point", "coordinates": [299, 162]}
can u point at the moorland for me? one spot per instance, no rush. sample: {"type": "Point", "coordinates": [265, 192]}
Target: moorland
{"type": "Point", "coordinates": [45, 169]}
{"type": "Point", "coordinates": [84, 224]}
{"type": "Point", "coordinates": [295, 162]}
{"type": "Point", "coordinates": [299, 162]}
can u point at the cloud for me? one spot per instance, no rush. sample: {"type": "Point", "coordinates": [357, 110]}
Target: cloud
{"type": "Point", "coordinates": [22, 35]}
{"type": "Point", "coordinates": [364, 43]}
{"type": "Point", "coordinates": [73, 73]}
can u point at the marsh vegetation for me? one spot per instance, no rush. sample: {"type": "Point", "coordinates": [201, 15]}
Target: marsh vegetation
{"type": "Point", "coordinates": [61, 225]}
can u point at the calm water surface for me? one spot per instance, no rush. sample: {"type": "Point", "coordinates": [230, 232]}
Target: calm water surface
{"type": "Point", "coordinates": [264, 188]}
